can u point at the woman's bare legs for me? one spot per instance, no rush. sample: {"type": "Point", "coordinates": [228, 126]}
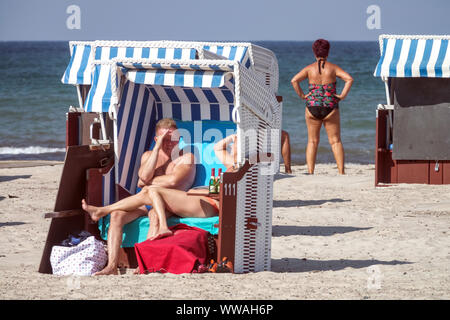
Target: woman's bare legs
{"type": "Point", "coordinates": [286, 151]}
{"type": "Point", "coordinates": [332, 124]}
{"type": "Point", "coordinates": [313, 126]}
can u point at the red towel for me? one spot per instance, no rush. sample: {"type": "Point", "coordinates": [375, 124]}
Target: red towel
{"type": "Point", "coordinates": [180, 253]}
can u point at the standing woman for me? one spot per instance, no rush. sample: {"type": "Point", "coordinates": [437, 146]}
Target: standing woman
{"type": "Point", "coordinates": [322, 103]}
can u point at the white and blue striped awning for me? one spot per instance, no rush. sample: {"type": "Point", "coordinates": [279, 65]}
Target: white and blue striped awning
{"type": "Point", "coordinates": [213, 75]}
{"type": "Point", "coordinates": [100, 93]}
{"type": "Point", "coordinates": [78, 70]}
{"type": "Point", "coordinates": [83, 54]}
{"type": "Point", "coordinates": [414, 56]}
{"type": "Point", "coordinates": [197, 74]}
{"type": "Point", "coordinates": [231, 52]}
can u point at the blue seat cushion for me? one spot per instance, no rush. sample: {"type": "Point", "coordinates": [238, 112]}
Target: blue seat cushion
{"type": "Point", "coordinates": [198, 137]}
{"type": "Point", "coordinates": [137, 230]}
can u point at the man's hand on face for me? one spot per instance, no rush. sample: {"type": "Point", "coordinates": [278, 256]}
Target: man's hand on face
{"type": "Point", "coordinates": [160, 138]}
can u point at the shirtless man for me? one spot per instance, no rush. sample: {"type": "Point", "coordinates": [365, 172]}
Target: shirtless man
{"type": "Point", "coordinates": [165, 167]}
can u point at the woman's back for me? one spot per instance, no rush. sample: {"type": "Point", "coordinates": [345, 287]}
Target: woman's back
{"type": "Point", "coordinates": [327, 73]}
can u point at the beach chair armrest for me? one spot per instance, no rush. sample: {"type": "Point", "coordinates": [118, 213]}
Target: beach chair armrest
{"type": "Point", "coordinates": [64, 214]}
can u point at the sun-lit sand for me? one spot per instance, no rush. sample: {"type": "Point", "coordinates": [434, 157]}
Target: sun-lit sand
{"type": "Point", "coordinates": [334, 237]}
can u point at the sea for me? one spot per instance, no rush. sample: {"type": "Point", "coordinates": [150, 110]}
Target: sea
{"type": "Point", "coordinates": [34, 102]}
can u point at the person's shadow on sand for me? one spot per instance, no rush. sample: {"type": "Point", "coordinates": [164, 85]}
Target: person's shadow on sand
{"type": "Point", "coordinates": [304, 265]}
{"type": "Point", "coordinates": [279, 231]}
{"type": "Point", "coordinates": [10, 224]}
{"type": "Point", "coordinates": [10, 178]}
{"type": "Point", "coordinates": [303, 203]}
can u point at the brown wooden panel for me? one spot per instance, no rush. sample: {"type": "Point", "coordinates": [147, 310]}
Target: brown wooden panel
{"type": "Point", "coordinates": [72, 188]}
{"type": "Point", "coordinates": [227, 214]}
{"type": "Point", "coordinates": [446, 172]}
{"type": "Point", "coordinates": [412, 171]}
{"type": "Point", "coordinates": [72, 128]}
{"type": "Point", "coordinates": [436, 172]}
{"type": "Point", "coordinates": [385, 166]}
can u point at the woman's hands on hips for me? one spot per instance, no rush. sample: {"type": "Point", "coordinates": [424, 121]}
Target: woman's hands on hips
{"type": "Point", "coordinates": [340, 96]}
{"type": "Point", "coordinates": [305, 96]}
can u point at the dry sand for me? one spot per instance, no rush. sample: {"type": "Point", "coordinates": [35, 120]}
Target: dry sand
{"type": "Point", "coordinates": [334, 237]}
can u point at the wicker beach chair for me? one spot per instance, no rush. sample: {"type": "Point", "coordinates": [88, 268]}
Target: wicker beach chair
{"type": "Point", "coordinates": [229, 87]}
{"type": "Point", "coordinates": [412, 144]}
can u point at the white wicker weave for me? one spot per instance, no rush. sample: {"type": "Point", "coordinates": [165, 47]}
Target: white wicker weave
{"type": "Point", "coordinates": [254, 206]}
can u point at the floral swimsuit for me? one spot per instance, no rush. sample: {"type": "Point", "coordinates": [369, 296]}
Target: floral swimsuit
{"type": "Point", "coordinates": [322, 99]}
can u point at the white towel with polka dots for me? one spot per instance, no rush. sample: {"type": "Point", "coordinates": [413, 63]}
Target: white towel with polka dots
{"type": "Point", "coordinates": [84, 259]}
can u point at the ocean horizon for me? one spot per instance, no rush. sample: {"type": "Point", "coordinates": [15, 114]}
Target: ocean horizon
{"type": "Point", "coordinates": [34, 102]}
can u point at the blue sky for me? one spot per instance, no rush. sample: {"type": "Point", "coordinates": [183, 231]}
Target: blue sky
{"type": "Point", "coordinates": [240, 20]}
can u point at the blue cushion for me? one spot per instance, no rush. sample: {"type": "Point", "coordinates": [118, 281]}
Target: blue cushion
{"type": "Point", "coordinates": [198, 137]}
{"type": "Point", "coordinates": [202, 147]}
{"type": "Point", "coordinates": [137, 230]}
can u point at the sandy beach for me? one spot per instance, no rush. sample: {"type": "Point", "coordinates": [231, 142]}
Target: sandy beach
{"type": "Point", "coordinates": [334, 237]}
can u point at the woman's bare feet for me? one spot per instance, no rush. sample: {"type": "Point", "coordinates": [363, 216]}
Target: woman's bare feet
{"type": "Point", "coordinates": [108, 270]}
{"type": "Point", "coordinates": [93, 211]}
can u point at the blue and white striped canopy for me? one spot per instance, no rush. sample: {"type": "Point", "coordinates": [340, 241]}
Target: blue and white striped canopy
{"type": "Point", "coordinates": [100, 93]}
{"type": "Point", "coordinates": [172, 74]}
{"type": "Point", "coordinates": [155, 73]}
{"type": "Point", "coordinates": [84, 53]}
{"type": "Point", "coordinates": [234, 53]}
{"type": "Point", "coordinates": [407, 56]}
{"type": "Point", "coordinates": [77, 71]}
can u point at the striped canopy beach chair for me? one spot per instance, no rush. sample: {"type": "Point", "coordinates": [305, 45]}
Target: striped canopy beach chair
{"type": "Point", "coordinates": [211, 90]}
{"type": "Point", "coordinates": [412, 133]}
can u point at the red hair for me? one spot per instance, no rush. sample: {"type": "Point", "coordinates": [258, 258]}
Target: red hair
{"type": "Point", "coordinates": [321, 47]}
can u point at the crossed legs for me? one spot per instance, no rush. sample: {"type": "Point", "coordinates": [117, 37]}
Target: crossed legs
{"type": "Point", "coordinates": [332, 127]}
{"type": "Point", "coordinates": [164, 201]}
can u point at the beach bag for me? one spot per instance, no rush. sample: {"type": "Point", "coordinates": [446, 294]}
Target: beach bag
{"type": "Point", "coordinates": [84, 259]}
{"type": "Point", "coordinates": [180, 253]}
